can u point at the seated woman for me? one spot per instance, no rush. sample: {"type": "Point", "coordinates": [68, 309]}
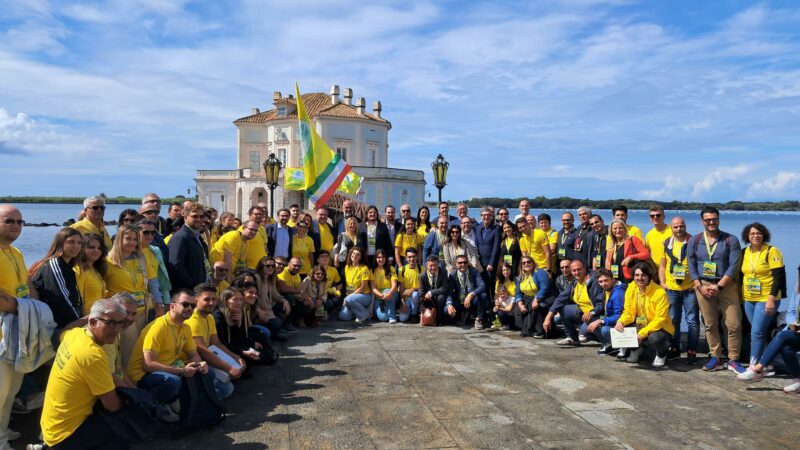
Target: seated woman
{"type": "Point", "coordinates": [233, 329]}
{"type": "Point", "coordinates": [384, 288]}
{"type": "Point", "coordinates": [533, 298]}
{"type": "Point", "coordinates": [250, 298]}
{"type": "Point", "coordinates": [91, 270]}
{"type": "Point", "coordinates": [647, 307]}
{"type": "Point", "coordinates": [454, 247]}
{"type": "Point", "coordinates": [313, 294]}
{"type": "Point", "coordinates": [271, 308]}
{"type": "Point", "coordinates": [54, 279]}
{"type": "Point", "coordinates": [358, 297]}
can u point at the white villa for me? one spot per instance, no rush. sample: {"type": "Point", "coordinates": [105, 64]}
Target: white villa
{"type": "Point", "coordinates": [361, 138]}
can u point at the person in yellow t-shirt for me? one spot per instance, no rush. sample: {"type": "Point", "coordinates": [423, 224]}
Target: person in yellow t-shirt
{"type": "Point", "coordinates": [332, 279]}
{"type": "Point", "coordinates": [763, 284]}
{"type": "Point", "coordinates": [384, 288]}
{"type": "Point", "coordinates": [303, 247]}
{"type": "Point", "coordinates": [231, 248]}
{"type": "Point", "coordinates": [674, 274]}
{"type": "Point", "coordinates": [256, 248]}
{"type": "Point", "coordinates": [323, 232]}
{"type": "Point", "coordinates": [506, 279]}
{"type": "Point", "coordinates": [78, 379]}
{"type": "Point", "coordinates": [423, 222]}
{"type": "Point", "coordinates": [578, 304]}
{"type": "Point", "coordinates": [545, 222]}
{"type": "Point", "coordinates": [147, 232]}
{"type": "Point", "coordinates": [534, 242]}
{"type": "Point", "coordinates": [654, 240]}
{"type": "Point", "coordinates": [408, 278]}
{"type": "Point", "coordinates": [91, 270]}
{"type": "Point", "coordinates": [408, 238]}
{"type": "Point", "coordinates": [358, 300]}
{"type": "Point", "coordinates": [165, 351]}
{"type": "Point", "coordinates": [94, 209]}
{"type": "Point", "coordinates": [621, 213]}
{"type": "Point", "coordinates": [647, 307]}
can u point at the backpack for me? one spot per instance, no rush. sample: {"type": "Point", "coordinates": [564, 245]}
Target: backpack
{"type": "Point", "coordinates": [200, 406]}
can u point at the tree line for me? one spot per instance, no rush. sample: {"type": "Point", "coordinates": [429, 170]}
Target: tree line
{"type": "Point", "coordinates": [573, 203]}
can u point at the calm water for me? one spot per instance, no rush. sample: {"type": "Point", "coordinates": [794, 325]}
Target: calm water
{"type": "Point", "coordinates": [34, 242]}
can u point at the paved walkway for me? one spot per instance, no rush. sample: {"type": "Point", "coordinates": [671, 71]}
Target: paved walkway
{"type": "Point", "coordinates": [404, 386]}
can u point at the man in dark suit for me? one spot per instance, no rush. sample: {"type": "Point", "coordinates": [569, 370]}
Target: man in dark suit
{"type": "Point", "coordinates": [392, 224]}
{"type": "Point", "coordinates": [349, 209]}
{"type": "Point", "coordinates": [487, 239]}
{"type": "Point", "coordinates": [467, 294]}
{"type": "Point", "coordinates": [434, 287]}
{"type": "Point", "coordinates": [279, 242]}
{"type": "Point", "coordinates": [188, 264]}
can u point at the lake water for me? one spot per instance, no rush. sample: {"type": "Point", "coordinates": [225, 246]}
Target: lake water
{"type": "Point", "coordinates": [34, 241]}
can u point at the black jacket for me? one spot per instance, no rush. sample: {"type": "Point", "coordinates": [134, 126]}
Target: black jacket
{"type": "Point", "coordinates": [596, 294]}
{"type": "Point", "coordinates": [271, 241]}
{"type": "Point", "coordinates": [442, 287]}
{"type": "Point", "coordinates": [382, 238]}
{"type": "Point", "coordinates": [58, 287]}
{"type": "Point", "coordinates": [187, 258]}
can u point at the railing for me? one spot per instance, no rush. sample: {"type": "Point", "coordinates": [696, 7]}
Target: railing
{"type": "Point", "coordinates": [217, 174]}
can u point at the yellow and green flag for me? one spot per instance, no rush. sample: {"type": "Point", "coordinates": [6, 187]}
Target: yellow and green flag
{"type": "Point", "coordinates": [294, 180]}
{"type": "Point", "coordinates": [323, 169]}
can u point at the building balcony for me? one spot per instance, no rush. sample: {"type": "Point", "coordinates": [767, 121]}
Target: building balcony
{"type": "Point", "coordinates": [218, 174]}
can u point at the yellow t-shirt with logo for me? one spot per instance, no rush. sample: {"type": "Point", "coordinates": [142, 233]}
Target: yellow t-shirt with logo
{"type": "Point", "coordinates": [758, 266]}
{"type": "Point", "coordinates": [232, 243]}
{"type": "Point", "coordinates": [78, 378]}
{"type": "Point", "coordinates": [527, 285]}
{"type": "Point", "coordinates": [325, 237]}
{"type": "Point", "coordinates": [293, 281]}
{"type": "Point", "coordinates": [410, 277]}
{"type": "Point", "coordinates": [300, 249]}
{"type": "Point", "coordinates": [84, 226]}
{"type": "Point", "coordinates": [552, 236]}
{"type": "Point", "coordinates": [91, 285]}
{"type": "Point", "coordinates": [256, 248]}
{"type": "Point", "coordinates": [580, 295]}
{"type": "Point", "coordinates": [654, 241]}
{"type": "Point", "coordinates": [332, 277]}
{"type": "Point", "coordinates": [130, 278]}
{"type": "Point", "coordinates": [382, 282]}
{"type": "Point", "coordinates": [163, 338]}
{"type": "Point", "coordinates": [13, 272]}
{"type": "Point", "coordinates": [633, 230]}
{"type": "Point", "coordinates": [421, 231]}
{"type": "Point", "coordinates": [533, 244]}
{"type": "Point", "coordinates": [404, 241]}
{"type": "Point", "coordinates": [355, 276]}
{"type": "Point", "coordinates": [202, 327]}
{"type": "Point", "coordinates": [672, 283]}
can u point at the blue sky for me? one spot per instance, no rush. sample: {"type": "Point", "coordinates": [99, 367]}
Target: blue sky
{"type": "Point", "coordinates": [586, 98]}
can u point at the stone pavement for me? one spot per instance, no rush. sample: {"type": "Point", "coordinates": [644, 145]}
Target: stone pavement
{"type": "Point", "coordinates": [403, 386]}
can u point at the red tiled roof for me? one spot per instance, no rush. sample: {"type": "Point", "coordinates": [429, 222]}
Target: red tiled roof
{"type": "Point", "coordinates": [317, 104]}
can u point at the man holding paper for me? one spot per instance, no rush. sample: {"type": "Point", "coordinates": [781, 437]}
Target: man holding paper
{"type": "Point", "coordinates": [225, 365]}
{"type": "Point", "coordinates": [647, 306]}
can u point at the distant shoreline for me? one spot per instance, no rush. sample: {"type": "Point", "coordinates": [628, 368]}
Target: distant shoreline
{"type": "Point", "coordinates": [79, 200]}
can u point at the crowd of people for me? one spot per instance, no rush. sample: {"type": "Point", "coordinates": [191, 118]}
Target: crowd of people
{"type": "Point", "coordinates": [166, 299]}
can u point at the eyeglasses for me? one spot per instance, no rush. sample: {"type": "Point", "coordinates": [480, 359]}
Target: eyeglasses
{"type": "Point", "coordinates": [405, 210]}
{"type": "Point", "coordinates": [153, 200]}
{"type": "Point", "coordinates": [269, 266]}
{"type": "Point", "coordinates": [111, 323]}
{"type": "Point", "coordinates": [13, 221]}
{"type": "Point", "coordinates": [151, 211]}
{"type": "Point", "coordinates": [254, 230]}
{"type": "Point", "coordinates": [98, 208]}
{"type": "Point", "coordinates": [655, 216]}
{"type": "Point", "coordinates": [220, 269]}
{"type": "Point", "coordinates": [527, 263]}
{"type": "Point", "coordinates": [148, 232]}
{"type": "Point", "coordinates": [502, 214]}
{"type": "Point", "coordinates": [461, 262]}
{"type": "Point", "coordinates": [187, 305]}
{"type": "Point", "coordinates": [711, 220]}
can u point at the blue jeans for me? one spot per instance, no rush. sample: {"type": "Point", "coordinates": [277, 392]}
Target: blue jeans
{"type": "Point", "coordinates": [680, 303]}
{"type": "Point", "coordinates": [261, 329]}
{"type": "Point", "coordinates": [386, 309]}
{"type": "Point", "coordinates": [164, 386]}
{"type": "Point", "coordinates": [224, 389]}
{"type": "Point", "coordinates": [787, 343]}
{"type": "Point", "coordinates": [605, 333]}
{"type": "Point", "coordinates": [573, 319]}
{"type": "Point", "coordinates": [356, 305]}
{"type": "Point", "coordinates": [412, 307]}
{"type": "Point", "coordinates": [759, 323]}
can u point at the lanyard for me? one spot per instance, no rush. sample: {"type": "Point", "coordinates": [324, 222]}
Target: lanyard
{"type": "Point", "coordinates": [639, 302]}
{"type": "Point", "coordinates": [174, 330]}
{"type": "Point", "coordinates": [132, 273]}
{"type": "Point", "coordinates": [711, 249]}
{"type": "Point", "coordinates": [754, 259]}
{"type": "Point", "coordinates": [14, 263]}
{"type": "Point", "coordinates": [564, 236]}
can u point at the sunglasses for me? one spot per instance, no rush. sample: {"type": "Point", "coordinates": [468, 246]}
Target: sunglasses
{"type": "Point", "coordinates": [455, 232]}
{"type": "Point", "coordinates": [405, 210]}
{"type": "Point", "coordinates": [98, 208]}
{"type": "Point", "coordinates": [187, 305]}
{"type": "Point", "coordinates": [112, 323]}
{"type": "Point", "coordinates": [13, 221]}
{"type": "Point", "coordinates": [148, 232]}
{"type": "Point", "coordinates": [655, 216]}
{"type": "Point", "coordinates": [527, 263]}
{"type": "Point", "coordinates": [221, 269]}
{"type": "Point", "coordinates": [151, 211]}
{"type": "Point", "coordinates": [269, 266]}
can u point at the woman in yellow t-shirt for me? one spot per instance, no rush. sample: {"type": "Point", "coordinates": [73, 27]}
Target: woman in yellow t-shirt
{"type": "Point", "coordinates": [91, 271]}
{"type": "Point", "coordinates": [409, 238]}
{"type": "Point", "coordinates": [358, 300]}
{"type": "Point", "coordinates": [303, 247]}
{"type": "Point", "coordinates": [423, 221]}
{"type": "Point", "coordinates": [384, 288]}
{"type": "Point", "coordinates": [763, 284]}
{"type": "Point", "coordinates": [505, 278]}
{"type": "Point", "coordinates": [533, 298]}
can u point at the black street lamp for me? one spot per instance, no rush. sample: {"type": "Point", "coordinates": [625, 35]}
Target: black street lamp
{"type": "Point", "coordinates": [222, 199]}
{"type": "Point", "coordinates": [272, 168]}
{"type": "Point", "coordinates": [439, 167]}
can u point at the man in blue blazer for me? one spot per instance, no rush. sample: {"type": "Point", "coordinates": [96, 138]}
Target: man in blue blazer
{"type": "Point", "coordinates": [280, 236]}
{"type": "Point", "coordinates": [467, 294]}
{"type": "Point", "coordinates": [435, 241]}
{"type": "Point", "coordinates": [487, 239]}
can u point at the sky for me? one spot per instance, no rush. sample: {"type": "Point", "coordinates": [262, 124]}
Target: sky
{"type": "Point", "coordinates": [678, 100]}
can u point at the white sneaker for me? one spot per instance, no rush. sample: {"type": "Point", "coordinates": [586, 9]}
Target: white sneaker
{"type": "Point", "coordinates": [750, 375]}
{"type": "Point", "coordinates": [634, 356]}
{"type": "Point", "coordinates": [793, 388]}
{"type": "Point", "coordinates": [582, 339]}
{"type": "Point", "coordinates": [659, 361]}
{"type": "Point", "coordinates": [34, 447]}
{"type": "Point", "coordinates": [392, 321]}
{"type": "Point", "coordinates": [567, 342]}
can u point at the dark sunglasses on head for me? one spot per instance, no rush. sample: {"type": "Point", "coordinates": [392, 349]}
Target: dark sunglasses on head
{"type": "Point", "coordinates": [14, 221]}
{"type": "Point", "coordinates": [98, 208]}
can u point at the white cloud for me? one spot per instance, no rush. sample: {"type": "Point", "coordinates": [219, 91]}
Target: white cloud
{"type": "Point", "coordinates": [717, 177]}
{"type": "Point", "coordinates": [19, 134]}
{"type": "Point", "coordinates": [782, 184]}
{"type": "Point", "coordinates": [672, 186]}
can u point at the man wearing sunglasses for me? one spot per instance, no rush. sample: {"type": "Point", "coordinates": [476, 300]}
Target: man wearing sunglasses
{"type": "Point", "coordinates": [654, 240]}
{"type": "Point", "coordinates": [467, 294]}
{"type": "Point", "coordinates": [94, 209]}
{"type": "Point", "coordinates": [152, 201]}
{"type": "Point", "coordinates": [155, 363]}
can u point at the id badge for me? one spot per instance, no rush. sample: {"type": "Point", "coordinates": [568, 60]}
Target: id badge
{"type": "Point", "coordinates": [371, 241]}
{"type": "Point", "coordinates": [753, 286]}
{"type": "Point", "coordinates": [679, 271]}
{"type": "Point", "coordinates": [597, 260]}
{"type": "Point", "coordinates": [709, 268]}
{"type": "Point", "coordinates": [507, 259]}
{"type": "Point", "coordinates": [441, 255]}
{"type": "Point", "coordinates": [207, 265]}
{"type": "Point", "coordinates": [349, 290]}
{"type": "Point", "coordinates": [320, 312]}
{"type": "Point", "coordinates": [178, 364]}
{"type": "Point", "coordinates": [641, 322]}
{"type": "Point", "coordinates": [22, 291]}
{"type": "Point", "coordinates": [615, 271]}
{"type": "Point", "coordinates": [578, 244]}
{"type": "Point", "coordinates": [562, 252]}
{"type": "Point", "coordinates": [139, 296]}
{"type": "Point", "coordinates": [462, 296]}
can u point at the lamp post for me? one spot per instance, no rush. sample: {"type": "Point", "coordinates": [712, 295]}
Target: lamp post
{"type": "Point", "coordinates": [222, 199]}
{"type": "Point", "coordinates": [439, 166]}
{"type": "Point", "coordinates": [272, 168]}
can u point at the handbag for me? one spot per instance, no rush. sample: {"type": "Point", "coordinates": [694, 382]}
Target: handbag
{"type": "Point", "coordinates": [427, 317]}
{"type": "Point", "coordinates": [340, 249]}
